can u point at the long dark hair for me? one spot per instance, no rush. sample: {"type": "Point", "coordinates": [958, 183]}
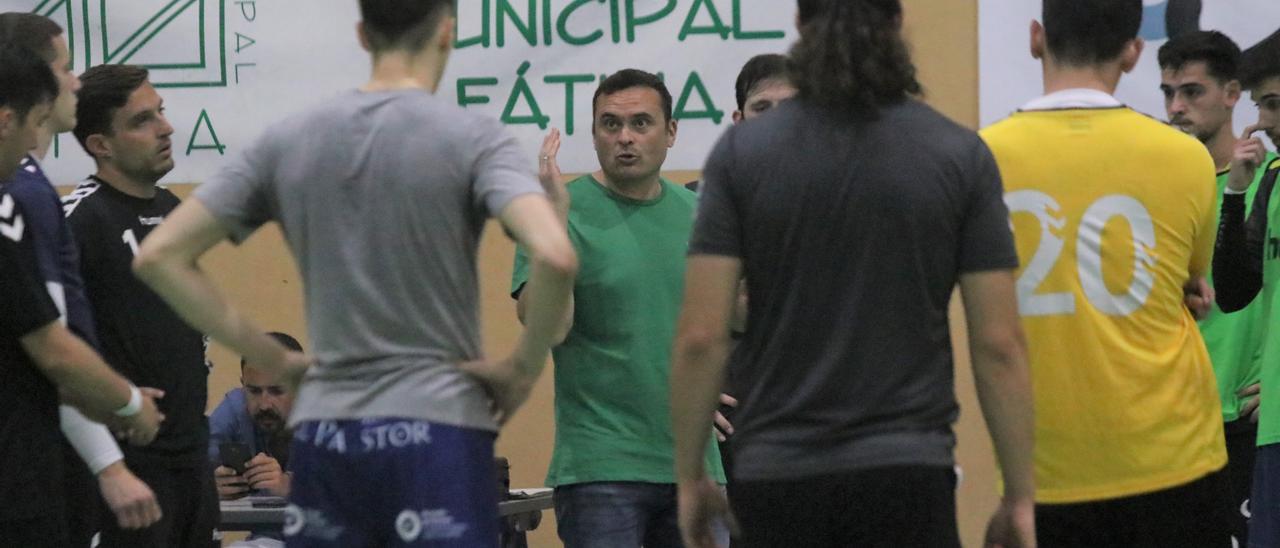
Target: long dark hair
{"type": "Point", "coordinates": [851, 56]}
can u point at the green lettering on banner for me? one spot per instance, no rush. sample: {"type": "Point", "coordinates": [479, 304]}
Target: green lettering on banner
{"type": "Point", "coordinates": [739, 34]}
{"type": "Point", "coordinates": [569, 80]}
{"type": "Point", "coordinates": [717, 24]}
{"type": "Point", "coordinates": [217, 145]}
{"type": "Point", "coordinates": [481, 39]}
{"type": "Point", "coordinates": [615, 21]}
{"type": "Point", "coordinates": [562, 27]}
{"type": "Point", "coordinates": [522, 90]}
{"type": "Point", "coordinates": [694, 83]}
{"type": "Point", "coordinates": [243, 42]}
{"type": "Point", "coordinates": [634, 22]}
{"type": "Point", "coordinates": [465, 99]}
{"type": "Point", "coordinates": [528, 26]}
{"type": "Point", "coordinates": [548, 29]}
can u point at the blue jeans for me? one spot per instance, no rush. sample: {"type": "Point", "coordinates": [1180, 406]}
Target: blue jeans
{"type": "Point", "coordinates": [620, 515]}
{"type": "Point", "coordinates": [1264, 504]}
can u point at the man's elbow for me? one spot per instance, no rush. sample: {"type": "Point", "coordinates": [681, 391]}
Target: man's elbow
{"type": "Point", "coordinates": [1000, 349]}
{"type": "Point", "coordinates": [559, 259]}
{"type": "Point", "coordinates": [152, 265]}
{"type": "Point", "coordinates": [147, 265]}
{"type": "Point", "coordinates": [700, 341]}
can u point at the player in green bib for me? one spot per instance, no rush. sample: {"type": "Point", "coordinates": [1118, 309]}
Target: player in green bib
{"type": "Point", "coordinates": [613, 465]}
{"type": "Point", "coordinates": [1246, 268]}
{"type": "Point", "coordinates": [1198, 76]}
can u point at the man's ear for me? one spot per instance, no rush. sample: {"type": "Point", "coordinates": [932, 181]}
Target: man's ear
{"type": "Point", "coordinates": [1038, 44]}
{"type": "Point", "coordinates": [363, 37]}
{"type": "Point", "coordinates": [444, 33]}
{"type": "Point", "coordinates": [8, 123]}
{"type": "Point", "coordinates": [98, 146]}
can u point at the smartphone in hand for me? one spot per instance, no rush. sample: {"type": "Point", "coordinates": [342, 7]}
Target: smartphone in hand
{"type": "Point", "coordinates": [234, 455]}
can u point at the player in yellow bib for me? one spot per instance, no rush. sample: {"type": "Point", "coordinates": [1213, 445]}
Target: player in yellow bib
{"type": "Point", "coordinates": [1114, 217]}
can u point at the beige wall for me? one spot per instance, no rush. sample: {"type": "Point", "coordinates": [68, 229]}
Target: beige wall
{"type": "Point", "coordinates": [261, 278]}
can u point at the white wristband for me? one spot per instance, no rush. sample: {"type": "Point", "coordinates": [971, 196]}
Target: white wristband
{"type": "Point", "coordinates": [135, 403]}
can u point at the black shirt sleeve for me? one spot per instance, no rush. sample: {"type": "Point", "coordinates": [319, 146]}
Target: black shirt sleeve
{"type": "Point", "coordinates": [717, 228]}
{"type": "Point", "coordinates": [25, 305]}
{"type": "Point", "coordinates": [986, 240]}
{"type": "Point", "coordinates": [1237, 256]}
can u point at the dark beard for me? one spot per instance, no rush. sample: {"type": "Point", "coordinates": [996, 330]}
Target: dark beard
{"type": "Point", "coordinates": [268, 417]}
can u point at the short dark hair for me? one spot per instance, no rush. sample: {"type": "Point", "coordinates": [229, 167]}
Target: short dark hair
{"type": "Point", "coordinates": [25, 80]}
{"type": "Point", "coordinates": [1260, 62]}
{"type": "Point", "coordinates": [851, 56]}
{"type": "Point", "coordinates": [30, 31]}
{"type": "Point", "coordinates": [632, 78]}
{"type": "Point", "coordinates": [401, 24]}
{"type": "Point", "coordinates": [760, 68]}
{"type": "Point", "coordinates": [103, 90]}
{"type": "Point", "coordinates": [1089, 32]}
{"type": "Point", "coordinates": [1220, 54]}
{"type": "Point", "coordinates": [284, 339]}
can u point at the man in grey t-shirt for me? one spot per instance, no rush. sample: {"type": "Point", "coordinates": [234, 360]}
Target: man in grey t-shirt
{"type": "Point", "coordinates": [854, 210]}
{"type": "Point", "coordinates": [382, 194]}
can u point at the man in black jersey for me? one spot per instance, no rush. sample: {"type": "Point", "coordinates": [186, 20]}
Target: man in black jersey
{"type": "Point", "coordinates": [121, 124]}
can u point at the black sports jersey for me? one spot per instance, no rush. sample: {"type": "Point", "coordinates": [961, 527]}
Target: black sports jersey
{"type": "Point", "coordinates": [30, 461]}
{"type": "Point", "coordinates": [141, 336]}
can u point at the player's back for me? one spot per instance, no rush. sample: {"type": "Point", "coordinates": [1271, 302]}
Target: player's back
{"type": "Point", "coordinates": [382, 197]}
{"type": "Point", "coordinates": [1113, 213]}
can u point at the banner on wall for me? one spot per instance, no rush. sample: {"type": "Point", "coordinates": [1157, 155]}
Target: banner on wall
{"type": "Point", "coordinates": [227, 68]}
{"type": "Point", "coordinates": [1009, 77]}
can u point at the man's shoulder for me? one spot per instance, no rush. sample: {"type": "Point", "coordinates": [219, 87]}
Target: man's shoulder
{"type": "Point", "coordinates": [224, 416]}
{"type": "Point", "coordinates": [85, 197]}
{"type": "Point", "coordinates": [681, 192]}
{"type": "Point", "coordinates": [167, 196]}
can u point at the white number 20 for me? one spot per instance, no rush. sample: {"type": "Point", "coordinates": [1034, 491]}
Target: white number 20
{"type": "Point", "coordinates": [1088, 255]}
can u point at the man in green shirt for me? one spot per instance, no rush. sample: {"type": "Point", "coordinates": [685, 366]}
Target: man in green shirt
{"type": "Point", "coordinates": [613, 465]}
{"type": "Point", "coordinates": [1198, 76]}
{"type": "Point", "coordinates": [1246, 264]}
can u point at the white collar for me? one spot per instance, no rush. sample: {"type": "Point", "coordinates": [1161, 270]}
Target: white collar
{"type": "Point", "coordinates": [1073, 98]}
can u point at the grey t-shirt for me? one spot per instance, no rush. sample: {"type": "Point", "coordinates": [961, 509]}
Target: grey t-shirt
{"type": "Point", "coordinates": [382, 197]}
{"type": "Point", "coordinates": [852, 236]}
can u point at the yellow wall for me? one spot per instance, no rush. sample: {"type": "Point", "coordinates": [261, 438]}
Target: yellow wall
{"type": "Point", "coordinates": [262, 280]}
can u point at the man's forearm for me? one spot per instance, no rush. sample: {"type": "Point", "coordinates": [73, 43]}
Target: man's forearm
{"type": "Point", "coordinates": [1003, 383]}
{"type": "Point", "coordinates": [547, 308]}
{"type": "Point", "coordinates": [697, 375]}
{"type": "Point", "coordinates": [91, 440]}
{"type": "Point", "coordinates": [1237, 259]}
{"type": "Point", "coordinates": [80, 373]}
{"type": "Point", "coordinates": [197, 300]}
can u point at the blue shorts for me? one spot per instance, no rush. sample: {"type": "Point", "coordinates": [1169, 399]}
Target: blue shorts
{"type": "Point", "coordinates": [391, 482]}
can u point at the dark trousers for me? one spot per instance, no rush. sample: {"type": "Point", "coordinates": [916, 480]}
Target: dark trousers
{"type": "Point", "coordinates": [47, 531]}
{"type": "Point", "coordinates": [1264, 526]}
{"type": "Point", "coordinates": [1242, 440]}
{"type": "Point", "coordinates": [83, 509]}
{"type": "Point", "coordinates": [189, 502]}
{"type": "Point", "coordinates": [885, 507]}
{"type": "Point", "coordinates": [1191, 515]}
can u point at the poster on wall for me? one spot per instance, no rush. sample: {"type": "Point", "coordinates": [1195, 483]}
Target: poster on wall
{"type": "Point", "coordinates": [1009, 77]}
{"type": "Point", "coordinates": [227, 68]}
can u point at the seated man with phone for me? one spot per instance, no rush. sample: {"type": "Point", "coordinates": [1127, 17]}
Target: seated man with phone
{"type": "Point", "coordinates": [248, 433]}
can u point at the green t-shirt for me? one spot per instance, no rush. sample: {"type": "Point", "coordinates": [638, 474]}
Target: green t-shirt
{"type": "Point", "coordinates": [613, 412]}
{"type": "Point", "coordinates": [1269, 416]}
{"type": "Point", "coordinates": [1235, 340]}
